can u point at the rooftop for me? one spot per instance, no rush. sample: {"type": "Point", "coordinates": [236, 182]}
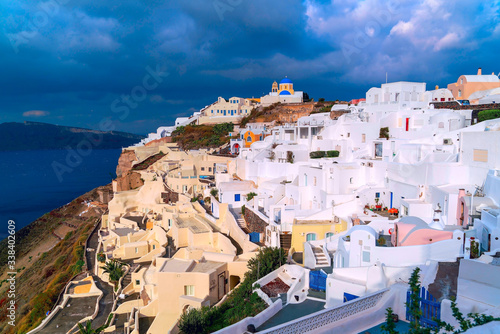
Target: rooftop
{"type": "Point", "coordinates": [193, 224]}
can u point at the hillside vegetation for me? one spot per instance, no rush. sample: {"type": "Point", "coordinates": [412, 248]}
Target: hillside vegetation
{"type": "Point", "coordinates": [49, 252]}
{"type": "Point", "coordinates": [193, 137]}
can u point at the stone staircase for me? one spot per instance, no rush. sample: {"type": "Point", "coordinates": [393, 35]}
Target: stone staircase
{"type": "Point", "coordinates": [321, 259]}
{"type": "Point", "coordinates": [286, 241]}
{"type": "Point", "coordinates": [128, 277]}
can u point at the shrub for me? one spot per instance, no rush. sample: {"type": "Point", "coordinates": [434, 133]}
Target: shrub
{"type": "Point", "coordinates": [317, 154]}
{"type": "Point", "coordinates": [251, 195]}
{"type": "Point", "coordinates": [384, 133]}
{"type": "Point", "coordinates": [488, 114]}
{"type": "Point", "coordinates": [289, 157]}
{"type": "Point", "coordinates": [333, 154]}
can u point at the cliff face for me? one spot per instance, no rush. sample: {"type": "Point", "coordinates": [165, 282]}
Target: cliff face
{"type": "Point", "coordinates": [131, 180]}
{"type": "Point", "coordinates": [49, 252]}
{"type": "Point", "coordinates": [125, 163]}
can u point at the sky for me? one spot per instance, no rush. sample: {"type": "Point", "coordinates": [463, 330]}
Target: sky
{"type": "Point", "coordinates": [139, 64]}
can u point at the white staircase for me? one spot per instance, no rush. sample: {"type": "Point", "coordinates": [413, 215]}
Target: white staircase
{"type": "Point", "coordinates": [320, 256]}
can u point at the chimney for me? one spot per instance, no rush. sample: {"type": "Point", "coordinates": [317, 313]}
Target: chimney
{"type": "Point", "coordinates": [479, 71]}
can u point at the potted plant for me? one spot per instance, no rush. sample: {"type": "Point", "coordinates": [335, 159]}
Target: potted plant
{"type": "Point", "coordinates": [378, 206]}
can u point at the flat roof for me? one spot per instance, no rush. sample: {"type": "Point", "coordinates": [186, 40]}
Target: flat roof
{"type": "Point", "coordinates": [123, 231]}
{"type": "Point", "coordinates": [206, 266]}
{"type": "Point", "coordinates": [176, 265]}
{"type": "Point", "coordinates": [194, 224]}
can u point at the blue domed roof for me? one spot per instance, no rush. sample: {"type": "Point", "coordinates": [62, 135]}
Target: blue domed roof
{"type": "Point", "coordinates": [285, 92]}
{"type": "Point", "coordinates": [286, 81]}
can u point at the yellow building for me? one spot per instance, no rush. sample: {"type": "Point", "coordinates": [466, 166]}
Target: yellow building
{"type": "Point", "coordinates": [310, 230]}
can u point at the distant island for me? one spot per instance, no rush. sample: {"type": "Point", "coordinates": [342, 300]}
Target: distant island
{"type": "Point", "coordinates": [42, 136]}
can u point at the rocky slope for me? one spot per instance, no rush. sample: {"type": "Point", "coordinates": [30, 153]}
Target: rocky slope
{"type": "Point", "coordinates": [49, 252]}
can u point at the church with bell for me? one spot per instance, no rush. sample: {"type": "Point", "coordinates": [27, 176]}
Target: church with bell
{"type": "Point", "coordinates": [283, 93]}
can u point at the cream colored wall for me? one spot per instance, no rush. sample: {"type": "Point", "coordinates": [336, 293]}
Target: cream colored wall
{"type": "Point", "coordinates": [129, 251]}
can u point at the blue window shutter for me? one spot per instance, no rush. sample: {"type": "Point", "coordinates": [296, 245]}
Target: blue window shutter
{"type": "Point", "coordinates": [237, 197]}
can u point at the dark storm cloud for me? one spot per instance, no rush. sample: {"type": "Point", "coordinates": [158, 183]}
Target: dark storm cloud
{"type": "Point", "coordinates": [72, 59]}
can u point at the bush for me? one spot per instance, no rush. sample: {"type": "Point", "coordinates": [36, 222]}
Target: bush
{"type": "Point", "coordinates": [289, 157]}
{"type": "Point", "coordinates": [317, 154]}
{"type": "Point", "coordinates": [384, 133]}
{"type": "Point", "coordinates": [488, 114]}
{"type": "Point", "coordinates": [333, 154]}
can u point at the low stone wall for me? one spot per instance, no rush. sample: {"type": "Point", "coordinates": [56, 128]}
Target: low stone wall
{"type": "Point", "coordinates": [456, 106]}
{"type": "Point", "coordinates": [254, 222]}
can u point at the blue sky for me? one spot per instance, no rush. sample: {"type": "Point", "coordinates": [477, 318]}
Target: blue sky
{"type": "Point", "coordinates": [74, 62]}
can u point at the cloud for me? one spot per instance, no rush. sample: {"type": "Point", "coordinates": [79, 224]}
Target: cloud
{"type": "Point", "coordinates": [35, 113]}
{"type": "Point", "coordinates": [84, 55]}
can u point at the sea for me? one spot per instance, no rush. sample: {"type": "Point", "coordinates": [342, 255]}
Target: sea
{"type": "Point", "coordinates": [36, 182]}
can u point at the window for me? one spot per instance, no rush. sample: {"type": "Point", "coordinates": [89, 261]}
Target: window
{"type": "Point", "coordinates": [209, 169]}
{"type": "Point", "coordinates": [377, 195]}
{"type": "Point", "coordinates": [311, 236]}
{"type": "Point", "coordinates": [202, 169]}
{"type": "Point", "coordinates": [136, 250]}
{"type": "Point", "coordinates": [189, 290]}
{"type": "Point", "coordinates": [480, 155]}
{"type": "Point", "coordinates": [169, 222]}
{"type": "Point", "coordinates": [237, 197]}
{"type": "Point", "coordinates": [137, 282]}
{"type": "Point", "coordinates": [462, 81]}
{"type": "Point", "coordinates": [363, 138]}
{"type": "Point", "coordinates": [378, 150]}
{"type": "Point", "coordinates": [351, 180]}
{"type": "Point", "coordinates": [184, 189]}
{"type": "Point", "coordinates": [329, 234]}
{"type": "Point", "coordinates": [314, 181]}
{"type": "Point", "coordinates": [305, 180]}
{"type": "Point", "coordinates": [348, 134]}
{"type": "Point", "coordinates": [242, 137]}
{"type": "Point", "coordinates": [249, 138]}
{"type": "Point", "coordinates": [459, 93]}
{"type": "Point", "coordinates": [154, 247]}
{"type": "Point", "coordinates": [366, 256]}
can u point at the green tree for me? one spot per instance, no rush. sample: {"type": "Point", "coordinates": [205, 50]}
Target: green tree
{"type": "Point", "coordinates": [414, 303]}
{"type": "Point", "coordinates": [390, 326]}
{"type": "Point", "coordinates": [87, 328]}
{"type": "Point", "coordinates": [114, 269]}
{"type": "Point", "coordinates": [251, 195]}
{"type": "Point", "coordinates": [214, 192]}
{"type": "Point", "coordinates": [267, 260]}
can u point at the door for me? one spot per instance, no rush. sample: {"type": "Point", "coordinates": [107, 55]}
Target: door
{"type": "Point", "coordinates": [222, 286]}
{"type": "Point", "coordinates": [407, 124]}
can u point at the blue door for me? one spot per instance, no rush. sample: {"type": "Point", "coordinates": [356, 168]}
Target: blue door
{"type": "Point", "coordinates": [254, 237]}
{"type": "Point", "coordinates": [429, 306]}
{"type": "Point", "coordinates": [317, 280]}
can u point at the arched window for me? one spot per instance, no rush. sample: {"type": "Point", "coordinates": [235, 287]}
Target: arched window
{"type": "Point", "coordinates": [249, 138]}
{"type": "Point", "coordinates": [311, 236]}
